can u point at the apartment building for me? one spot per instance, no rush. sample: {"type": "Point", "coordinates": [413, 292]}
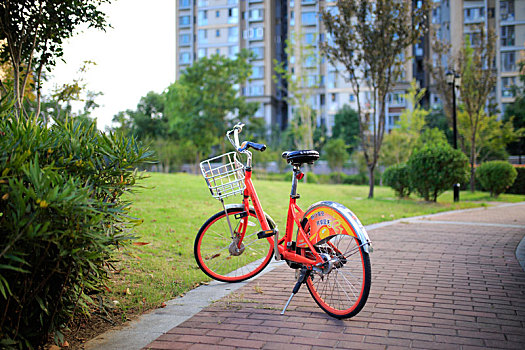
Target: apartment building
{"type": "Point", "coordinates": [456, 20]}
{"type": "Point", "coordinates": [208, 27]}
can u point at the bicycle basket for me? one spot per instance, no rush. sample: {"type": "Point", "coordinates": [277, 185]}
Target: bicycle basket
{"type": "Point", "coordinates": [224, 175]}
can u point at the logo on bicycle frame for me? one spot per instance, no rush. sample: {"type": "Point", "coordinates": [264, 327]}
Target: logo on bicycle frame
{"type": "Point", "coordinates": [324, 224]}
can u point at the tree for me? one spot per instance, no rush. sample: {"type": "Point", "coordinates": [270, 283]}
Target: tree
{"type": "Point", "coordinates": [406, 136]}
{"type": "Point", "coordinates": [298, 82]}
{"type": "Point", "coordinates": [370, 38]}
{"type": "Point", "coordinates": [346, 126]}
{"type": "Point", "coordinates": [148, 120]}
{"type": "Point", "coordinates": [515, 112]}
{"type": "Point", "coordinates": [478, 80]}
{"type": "Point", "coordinates": [34, 31]}
{"type": "Point", "coordinates": [198, 104]}
{"type": "Point", "coordinates": [336, 154]}
{"type": "Point", "coordinates": [491, 136]}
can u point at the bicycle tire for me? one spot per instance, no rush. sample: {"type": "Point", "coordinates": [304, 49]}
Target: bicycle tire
{"type": "Point", "coordinates": [211, 248]}
{"type": "Point", "coordinates": [343, 292]}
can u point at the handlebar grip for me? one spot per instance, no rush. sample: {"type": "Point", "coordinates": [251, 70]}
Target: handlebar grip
{"type": "Point", "coordinates": [256, 146]}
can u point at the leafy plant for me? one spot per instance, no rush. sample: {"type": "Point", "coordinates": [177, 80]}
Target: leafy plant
{"type": "Point", "coordinates": [496, 176]}
{"type": "Point", "coordinates": [398, 178]}
{"type": "Point", "coordinates": [436, 168]}
{"type": "Point", "coordinates": [62, 215]}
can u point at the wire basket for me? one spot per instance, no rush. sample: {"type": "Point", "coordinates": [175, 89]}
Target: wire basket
{"type": "Point", "coordinates": [224, 175]}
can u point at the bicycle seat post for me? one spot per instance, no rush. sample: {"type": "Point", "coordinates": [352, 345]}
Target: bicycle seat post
{"type": "Point", "coordinates": [296, 173]}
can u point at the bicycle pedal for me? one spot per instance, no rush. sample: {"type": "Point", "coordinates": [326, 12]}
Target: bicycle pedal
{"type": "Point", "coordinates": [266, 233]}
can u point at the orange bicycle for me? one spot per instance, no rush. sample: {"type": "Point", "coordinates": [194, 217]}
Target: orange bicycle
{"type": "Point", "coordinates": [330, 251]}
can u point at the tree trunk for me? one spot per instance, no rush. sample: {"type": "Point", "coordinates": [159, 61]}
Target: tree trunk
{"type": "Point", "coordinates": [472, 163]}
{"type": "Point", "coordinates": [371, 181]}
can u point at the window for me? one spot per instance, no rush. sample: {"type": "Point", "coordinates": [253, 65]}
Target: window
{"type": "Point", "coordinates": [255, 15]}
{"type": "Point", "coordinates": [331, 80]}
{"type": "Point", "coordinates": [508, 61]}
{"type": "Point", "coordinates": [257, 72]}
{"type": "Point", "coordinates": [310, 61]}
{"type": "Point", "coordinates": [351, 97]}
{"type": "Point", "coordinates": [507, 10]}
{"type": "Point", "coordinates": [184, 21]}
{"type": "Point", "coordinates": [217, 33]}
{"type": "Point", "coordinates": [201, 53]}
{"type": "Point", "coordinates": [507, 36]}
{"type": "Point", "coordinates": [233, 51]}
{"type": "Point", "coordinates": [217, 13]}
{"type": "Point", "coordinates": [218, 51]}
{"type": "Point", "coordinates": [308, 18]}
{"type": "Point", "coordinates": [184, 3]}
{"type": "Point", "coordinates": [233, 2]}
{"type": "Point", "coordinates": [185, 57]}
{"type": "Point", "coordinates": [258, 51]}
{"type": "Point", "coordinates": [309, 39]}
{"type": "Point", "coordinates": [233, 15]}
{"type": "Point", "coordinates": [203, 17]}
{"type": "Point", "coordinates": [255, 90]}
{"type": "Point", "coordinates": [254, 33]}
{"type": "Point", "coordinates": [292, 18]}
{"type": "Point", "coordinates": [507, 84]}
{"type": "Point", "coordinates": [436, 15]}
{"type": "Point", "coordinates": [184, 39]}
{"type": "Point", "coordinates": [203, 36]}
{"type": "Point", "coordinates": [203, 3]}
{"type": "Point", "coordinates": [308, 2]}
{"type": "Point", "coordinates": [397, 98]}
{"type": "Point", "coordinates": [474, 14]}
{"type": "Point", "coordinates": [233, 34]}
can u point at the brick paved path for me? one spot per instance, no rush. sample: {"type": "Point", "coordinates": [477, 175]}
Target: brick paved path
{"type": "Point", "coordinates": [450, 282]}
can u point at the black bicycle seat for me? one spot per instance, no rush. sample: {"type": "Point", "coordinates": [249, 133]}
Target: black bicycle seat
{"type": "Point", "coordinates": [301, 157]}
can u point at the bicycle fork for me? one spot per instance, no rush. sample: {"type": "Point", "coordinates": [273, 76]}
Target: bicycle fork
{"type": "Point", "coordinates": [303, 275]}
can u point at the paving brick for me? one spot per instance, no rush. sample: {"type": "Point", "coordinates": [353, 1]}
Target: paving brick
{"type": "Point", "coordinates": [426, 294]}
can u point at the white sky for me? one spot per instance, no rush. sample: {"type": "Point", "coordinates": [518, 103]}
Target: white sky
{"type": "Point", "coordinates": [134, 57]}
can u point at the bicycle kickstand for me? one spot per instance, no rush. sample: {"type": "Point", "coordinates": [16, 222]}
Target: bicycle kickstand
{"type": "Point", "coordinates": [302, 279]}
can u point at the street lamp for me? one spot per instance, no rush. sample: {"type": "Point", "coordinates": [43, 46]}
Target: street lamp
{"type": "Point", "coordinates": [454, 80]}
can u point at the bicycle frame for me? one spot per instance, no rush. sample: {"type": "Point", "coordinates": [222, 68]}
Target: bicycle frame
{"type": "Point", "coordinates": [295, 215]}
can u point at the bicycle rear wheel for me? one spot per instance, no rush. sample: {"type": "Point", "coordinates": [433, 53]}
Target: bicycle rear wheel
{"type": "Point", "coordinates": [214, 248]}
{"type": "Point", "coordinates": [342, 290]}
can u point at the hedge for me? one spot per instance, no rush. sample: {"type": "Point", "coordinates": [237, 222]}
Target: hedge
{"type": "Point", "coordinates": [61, 216]}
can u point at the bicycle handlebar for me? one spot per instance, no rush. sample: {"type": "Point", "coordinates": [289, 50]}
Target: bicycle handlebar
{"type": "Point", "coordinates": [242, 148]}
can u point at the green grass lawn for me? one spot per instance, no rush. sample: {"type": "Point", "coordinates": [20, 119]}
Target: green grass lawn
{"type": "Point", "coordinates": [174, 206]}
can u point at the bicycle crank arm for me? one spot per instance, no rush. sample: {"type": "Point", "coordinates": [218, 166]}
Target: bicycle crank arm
{"type": "Point", "coordinates": [302, 279]}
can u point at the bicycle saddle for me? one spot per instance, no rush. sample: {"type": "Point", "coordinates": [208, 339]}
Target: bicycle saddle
{"type": "Point", "coordinates": [301, 157]}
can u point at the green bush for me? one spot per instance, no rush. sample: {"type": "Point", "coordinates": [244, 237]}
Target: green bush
{"type": "Point", "coordinates": [496, 176]}
{"type": "Point", "coordinates": [337, 177]}
{"type": "Point", "coordinates": [61, 216]}
{"type": "Point", "coordinates": [356, 179]}
{"type": "Point", "coordinates": [397, 177]}
{"type": "Point", "coordinates": [518, 187]}
{"type": "Point", "coordinates": [434, 169]}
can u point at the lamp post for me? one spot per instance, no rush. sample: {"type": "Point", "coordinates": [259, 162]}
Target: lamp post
{"type": "Point", "coordinates": [454, 80]}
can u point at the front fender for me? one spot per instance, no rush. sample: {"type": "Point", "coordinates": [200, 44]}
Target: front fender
{"type": "Point", "coordinates": [328, 219]}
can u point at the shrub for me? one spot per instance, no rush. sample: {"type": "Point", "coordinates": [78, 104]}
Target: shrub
{"type": "Point", "coordinates": [356, 179]}
{"type": "Point", "coordinates": [434, 169]}
{"type": "Point", "coordinates": [518, 187]}
{"type": "Point", "coordinates": [61, 215]}
{"type": "Point", "coordinates": [496, 176]}
{"type": "Point", "coordinates": [337, 177]}
{"type": "Point", "coordinates": [397, 177]}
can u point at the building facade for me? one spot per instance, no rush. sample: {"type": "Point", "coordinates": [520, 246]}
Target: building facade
{"type": "Point", "coordinates": [455, 21]}
{"type": "Point", "coordinates": [207, 27]}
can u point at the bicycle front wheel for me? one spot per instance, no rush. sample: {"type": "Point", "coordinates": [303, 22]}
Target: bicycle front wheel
{"type": "Point", "coordinates": [222, 257]}
{"type": "Point", "coordinates": [342, 289]}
